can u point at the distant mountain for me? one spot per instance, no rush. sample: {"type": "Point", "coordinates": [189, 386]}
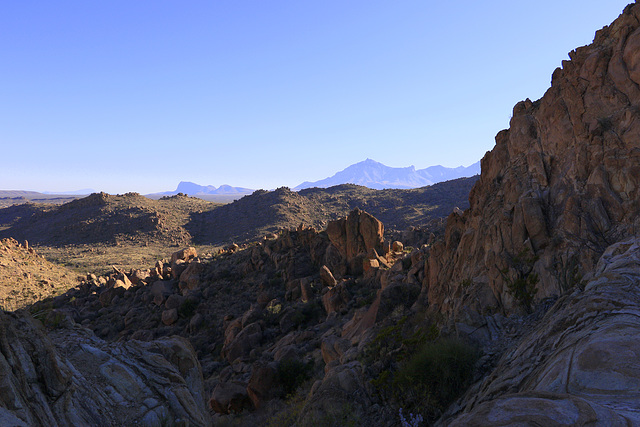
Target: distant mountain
{"type": "Point", "coordinates": [193, 189]}
{"type": "Point", "coordinates": [372, 174]}
{"type": "Point", "coordinates": [83, 192]}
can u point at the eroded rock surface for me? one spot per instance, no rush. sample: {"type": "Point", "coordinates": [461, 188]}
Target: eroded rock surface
{"type": "Point", "coordinates": [70, 377]}
{"type": "Point", "coordinates": [581, 365]}
{"type": "Point", "coordinates": [563, 182]}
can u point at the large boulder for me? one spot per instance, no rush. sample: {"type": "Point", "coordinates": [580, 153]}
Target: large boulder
{"type": "Point", "coordinates": [241, 344]}
{"type": "Point", "coordinates": [263, 384]}
{"type": "Point", "coordinates": [229, 398]}
{"type": "Point", "coordinates": [355, 236]}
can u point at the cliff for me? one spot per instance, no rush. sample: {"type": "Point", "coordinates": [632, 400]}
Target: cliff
{"type": "Point", "coordinates": [560, 185]}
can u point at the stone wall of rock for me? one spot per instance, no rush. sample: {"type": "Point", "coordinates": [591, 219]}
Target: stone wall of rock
{"type": "Point", "coordinates": [562, 183]}
{"type": "Point", "coordinates": [580, 366]}
{"type": "Point", "coordinates": [69, 377]}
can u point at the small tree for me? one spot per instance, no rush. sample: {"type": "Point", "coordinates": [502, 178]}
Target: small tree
{"type": "Point", "coordinates": [522, 285]}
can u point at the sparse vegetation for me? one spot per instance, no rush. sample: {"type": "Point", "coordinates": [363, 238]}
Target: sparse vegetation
{"type": "Point", "coordinates": [522, 284]}
{"type": "Point", "coordinates": [430, 379]}
{"type": "Point", "coordinates": [292, 373]}
{"type": "Point", "coordinates": [187, 308]}
{"type": "Point", "coordinates": [568, 274]}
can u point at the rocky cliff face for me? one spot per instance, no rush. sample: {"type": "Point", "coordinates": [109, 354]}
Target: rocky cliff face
{"type": "Point", "coordinates": [69, 377]}
{"type": "Point", "coordinates": [561, 184]}
{"type": "Point", "coordinates": [580, 365]}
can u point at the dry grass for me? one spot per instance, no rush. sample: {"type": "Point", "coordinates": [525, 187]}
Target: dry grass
{"type": "Point", "coordinates": [27, 277]}
{"type": "Point", "coordinates": [100, 258]}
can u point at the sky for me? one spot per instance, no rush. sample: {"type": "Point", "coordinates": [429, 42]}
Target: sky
{"type": "Point", "coordinates": [124, 95]}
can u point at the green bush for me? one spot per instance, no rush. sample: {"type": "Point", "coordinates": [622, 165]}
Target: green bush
{"type": "Point", "coordinates": [292, 373]}
{"type": "Point", "coordinates": [431, 379]}
{"type": "Point", "coordinates": [442, 369]}
{"type": "Point", "coordinates": [522, 285]}
{"type": "Point", "coordinates": [187, 308]}
{"type": "Point", "coordinates": [398, 340]}
{"type": "Point", "coordinates": [306, 313]}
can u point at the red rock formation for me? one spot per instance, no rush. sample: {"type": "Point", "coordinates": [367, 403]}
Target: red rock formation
{"type": "Point", "coordinates": [562, 182]}
{"type": "Point", "coordinates": [356, 235]}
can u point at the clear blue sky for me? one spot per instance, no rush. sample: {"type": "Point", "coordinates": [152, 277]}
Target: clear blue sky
{"type": "Point", "coordinates": [138, 95]}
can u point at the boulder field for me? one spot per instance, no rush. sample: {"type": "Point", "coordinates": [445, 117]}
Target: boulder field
{"type": "Point", "coordinates": [539, 278]}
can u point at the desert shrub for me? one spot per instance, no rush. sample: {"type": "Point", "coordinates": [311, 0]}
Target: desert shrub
{"type": "Point", "coordinates": [466, 283]}
{"type": "Point", "coordinates": [290, 414]}
{"type": "Point", "coordinates": [368, 296]}
{"type": "Point", "coordinates": [309, 312]}
{"type": "Point", "coordinates": [187, 308]}
{"type": "Point", "coordinates": [394, 342]}
{"type": "Point", "coordinates": [345, 416]}
{"type": "Point", "coordinates": [292, 373]}
{"type": "Point", "coordinates": [431, 379]}
{"type": "Point", "coordinates": [441, 370]}
{"type": "Point", "coordinates": [522, 284]}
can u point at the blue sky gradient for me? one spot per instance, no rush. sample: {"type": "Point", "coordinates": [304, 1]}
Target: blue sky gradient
{"type": "Point", "coordinates": [139, 95]}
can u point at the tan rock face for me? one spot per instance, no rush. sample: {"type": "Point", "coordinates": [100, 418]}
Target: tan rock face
{"type": "Point", "coordinates": [327, 277]}
{"type": "Point", "coordinates": [356, 235]}
{"type": "Point", "coordinates": [563, 181]}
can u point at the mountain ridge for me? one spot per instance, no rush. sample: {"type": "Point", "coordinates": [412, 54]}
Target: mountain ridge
{"type": "Point", "coordinates": [372, 174]}
{"type": "Point", "coordinates": [193, 189]}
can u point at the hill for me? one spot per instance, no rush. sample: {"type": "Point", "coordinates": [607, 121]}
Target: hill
{"type": "Point", "coordinates": [26, 277]}
{"type": "Point", "coordinates": [16, 197]}
{"type": "Point", "coordinates": [372, 174]}
{"type": "Point", "coordinates": [103, 218]}
{"type": "Point", "coordinates": [524, 312]}
{"type": "Point", "coordinates": [193, 189]}
{"type": "Point", "coordinates": [179, 220]}
{"type": "Point", "coordinates": [265, 212]}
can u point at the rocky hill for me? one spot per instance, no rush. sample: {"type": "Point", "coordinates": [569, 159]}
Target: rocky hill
{"type": "Point", "coordinates": [561, 184]}
{"type": "Point", "coordinates": [11, 197]}
{"type": "Point", "coordinates": [103, 218]}
{"type": "Point", "coordinates": [554, 213]}
{"type": "Point", "coordinates": [27, 277]}
{"type": "Point", "coordinates": [525, 311]}
{"type": "Point", "coordinates": [181, 220]}
{"type": "Point", "coordinates": [266, 212]}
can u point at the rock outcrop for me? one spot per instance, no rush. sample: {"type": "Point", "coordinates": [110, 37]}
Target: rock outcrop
{"type": "Point", "coordinates": [561, 184]}
{"type": "Point", "coordinates": [580, 366]}
{"type": "Point", "coordinates": [69, 377]}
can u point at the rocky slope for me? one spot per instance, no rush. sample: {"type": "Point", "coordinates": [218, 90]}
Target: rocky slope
{"type": "Point", "coordinates": [528, 301]}
{"type": "Point", "coordinates": [561, 184]}
{"type": "Point", "coordinates": [103, 218]}
{"type": "Point", "coordinates": [265, 212]}
{"type": "Point", "coordinates": [26, 277]}
{"type": "Point", "coordinates": [181, 220]}
{"type": "Point", "coordinates": [252, 314]}
{"type": "Point", "coordinates": [580, 366]}
{"type": "Point", "coordinates": [68, 377]}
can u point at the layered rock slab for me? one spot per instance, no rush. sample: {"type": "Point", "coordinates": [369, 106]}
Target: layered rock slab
{"type": "Point", "coordinates": [70, 377]}
{"type": "Point", "coordinates": [581, 365]}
